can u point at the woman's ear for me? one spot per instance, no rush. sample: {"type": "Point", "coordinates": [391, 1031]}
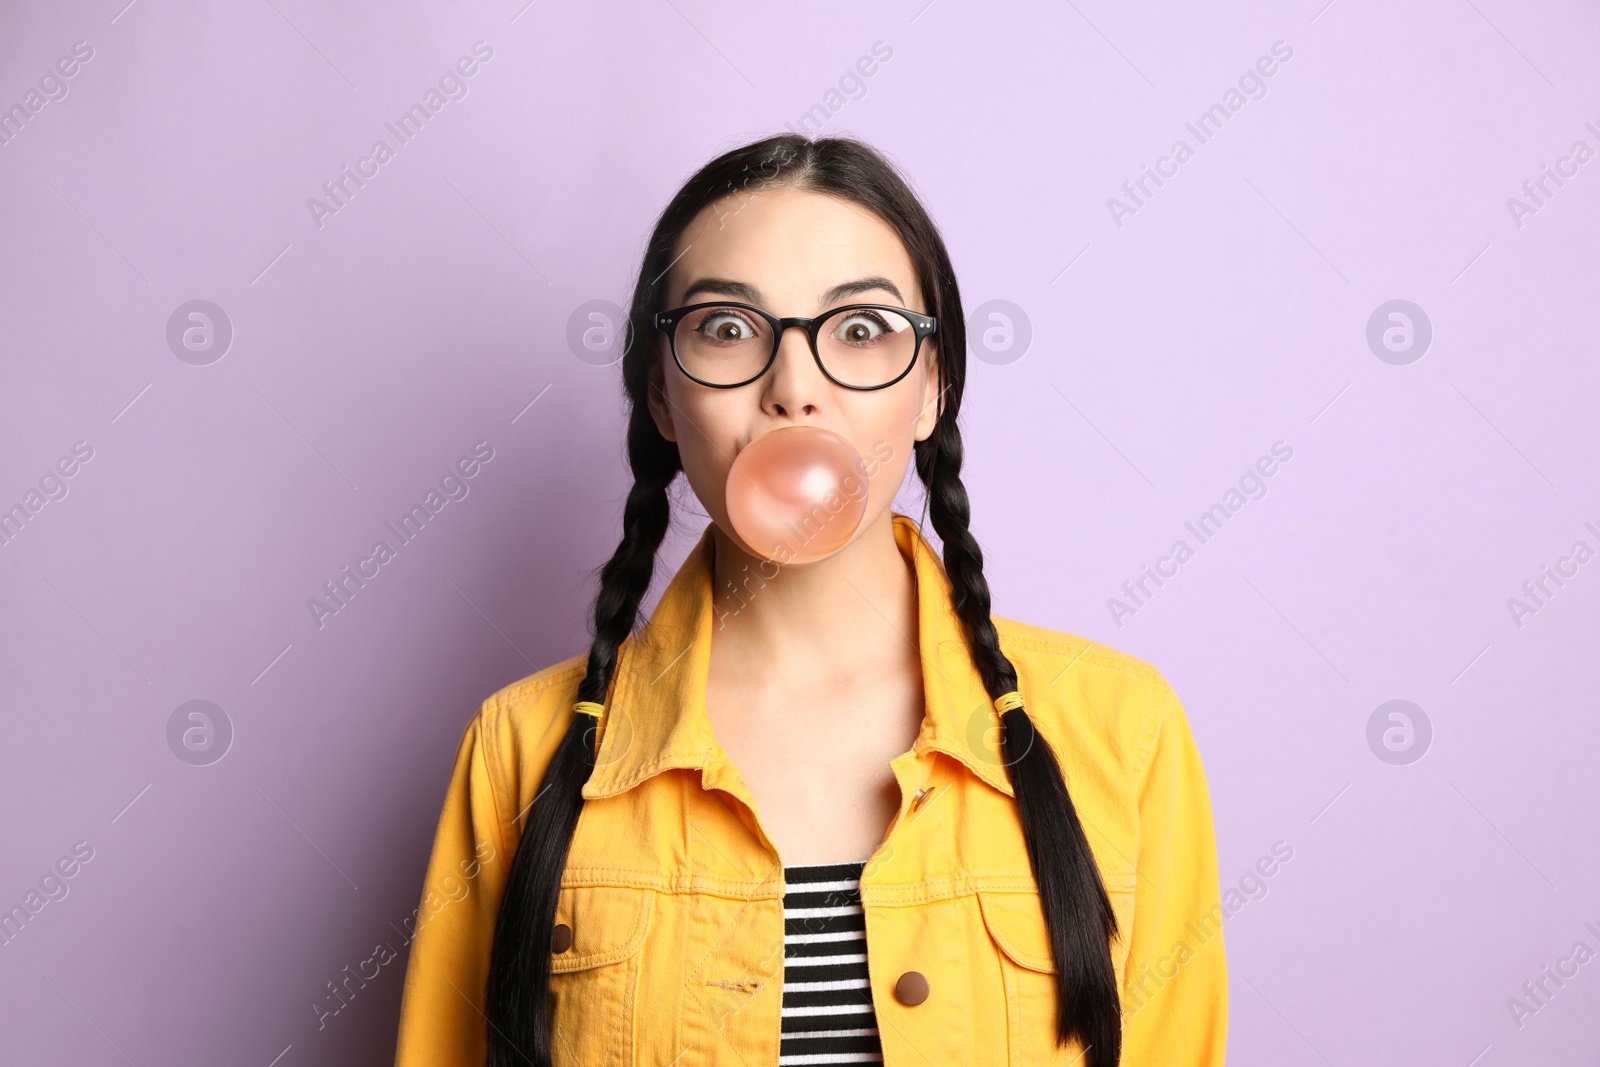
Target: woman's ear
{"type": "Point", "coordinates": [656, 391]}
{"type": "Point", "coordinates": [932, 387]}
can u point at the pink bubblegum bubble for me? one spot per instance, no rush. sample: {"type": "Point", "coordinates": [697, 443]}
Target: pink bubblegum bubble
{"type": "Point", "coordinates": [797, 494]}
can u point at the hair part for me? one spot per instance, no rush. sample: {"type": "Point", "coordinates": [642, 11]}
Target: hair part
{"type": "Point", "coordinates": [1076, 908]}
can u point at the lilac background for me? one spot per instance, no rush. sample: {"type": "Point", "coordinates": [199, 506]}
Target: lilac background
{"type": "Point", "coordinates": [1168, 354]}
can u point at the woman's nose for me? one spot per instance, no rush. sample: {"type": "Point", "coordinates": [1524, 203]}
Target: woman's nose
{"type": "Point", "coordinates": [795, 384]}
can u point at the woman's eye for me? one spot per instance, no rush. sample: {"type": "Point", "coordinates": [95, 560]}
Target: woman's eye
{"type": "Point", "coordinates": [861, 327]}
{"type": "Point", "coordinates": [726, 327]}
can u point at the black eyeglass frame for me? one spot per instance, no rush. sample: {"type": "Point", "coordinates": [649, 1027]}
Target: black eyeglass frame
{"type": "Point", "coordinates": [922, 326]}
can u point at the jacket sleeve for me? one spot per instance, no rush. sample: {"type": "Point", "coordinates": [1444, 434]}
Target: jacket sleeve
{"type": "Point", "coordinates": [1175, 989]}
{"type": "Point", "coordinates": [441, 1018]}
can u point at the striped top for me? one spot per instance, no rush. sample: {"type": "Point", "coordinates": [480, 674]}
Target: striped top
{"type": "Point", "coordinates": [827, 999]}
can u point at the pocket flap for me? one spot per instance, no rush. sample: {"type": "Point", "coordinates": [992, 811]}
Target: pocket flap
{"type": "Point", "coordinates": [1016, 922]}
{"type": "Point", "coordinates": [609, 924]}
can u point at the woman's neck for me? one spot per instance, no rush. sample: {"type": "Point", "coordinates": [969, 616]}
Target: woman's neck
{"type": "Point", "coordinates": [840, 615]}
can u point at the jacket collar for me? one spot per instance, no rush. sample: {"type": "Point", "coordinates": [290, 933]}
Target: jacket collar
{"type": "Point", "coordinates": [656, 719]}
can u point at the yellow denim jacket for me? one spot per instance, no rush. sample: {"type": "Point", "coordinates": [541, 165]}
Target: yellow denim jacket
{"type": "Point", "coordinates": [674, 894]}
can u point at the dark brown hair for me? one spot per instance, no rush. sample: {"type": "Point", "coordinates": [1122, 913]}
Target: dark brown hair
{"type": "Point", "coordinates": [1076, 908]}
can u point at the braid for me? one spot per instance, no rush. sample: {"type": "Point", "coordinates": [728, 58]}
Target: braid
{"type": "Point", "coordinates": [519, 964]}
{"type": "Point", "coordinates": [625, 578]}
{"type": "Point", "coordinates": [1076, 909]}
{"type": "Point", "coordinates": [963, 559]}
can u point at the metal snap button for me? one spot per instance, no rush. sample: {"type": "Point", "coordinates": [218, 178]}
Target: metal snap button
{"type": "Point", "coordinates": [922, 796]}
{"type": "Point", "coordinates": [911, 989]}
{"type": "Point", "coordinates": [561, 938]}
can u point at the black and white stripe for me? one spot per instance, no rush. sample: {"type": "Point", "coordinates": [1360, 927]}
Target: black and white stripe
{"type": "Point", "coordinates": [827, 998]}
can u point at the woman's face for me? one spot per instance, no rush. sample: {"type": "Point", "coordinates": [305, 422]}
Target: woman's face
{"type": "Point", "coordinates": [793, 253]}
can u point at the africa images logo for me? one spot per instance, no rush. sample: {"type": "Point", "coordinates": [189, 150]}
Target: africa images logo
{"type": "Point", "coordinates": [1252, 85]}
{"type": "Point", "coordinates": [453, 486]}
{"type": "Point", "coordinates": [342, 188]}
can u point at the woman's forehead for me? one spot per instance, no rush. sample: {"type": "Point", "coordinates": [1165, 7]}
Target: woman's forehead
{"type": "Point", "coordinates": [789, 244]}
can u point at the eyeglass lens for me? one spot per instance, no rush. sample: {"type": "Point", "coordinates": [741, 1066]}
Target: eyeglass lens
{"type": "Point", "coordinates": [863, 346]}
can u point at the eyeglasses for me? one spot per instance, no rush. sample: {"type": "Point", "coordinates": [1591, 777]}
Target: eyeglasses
{"type": "Point", "coordinates": [860, 346]}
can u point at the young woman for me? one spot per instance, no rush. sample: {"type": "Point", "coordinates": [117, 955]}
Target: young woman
{"type": "Point", "coordinates": [825, 813]}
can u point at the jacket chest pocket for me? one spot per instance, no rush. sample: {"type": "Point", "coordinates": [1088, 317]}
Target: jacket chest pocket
{"type": "Point", "coordinates": [1015, 922]}
{"type": "Point", "coordinates": [594, 980]}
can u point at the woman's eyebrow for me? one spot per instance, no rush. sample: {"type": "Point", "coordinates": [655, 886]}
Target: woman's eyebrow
{"type": "Point", "coordinates": [857, 287]}
{"type": "Point", "coordinates": [750, 294]}
{"type": "Point", "coordinates": [723, 287]}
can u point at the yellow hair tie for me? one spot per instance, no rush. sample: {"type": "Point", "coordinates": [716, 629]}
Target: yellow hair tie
{"type": "Point", "coordinates": [1006, 701]}
{"type": "Point", "coordinates": [589, 707]}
